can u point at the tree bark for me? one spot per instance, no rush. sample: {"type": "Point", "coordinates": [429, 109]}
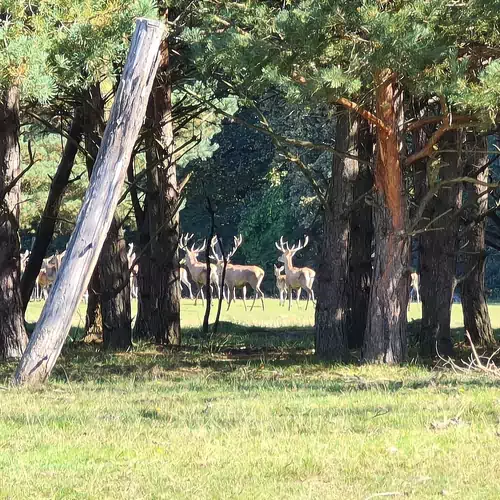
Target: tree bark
{"type": "Point", "coordinates": [360, 244]}
{"type": "Point", "coordinates": [475, 309]}
{"type": "Point", "coordinates": [163, 221]}
{"type": "Point", "coordinates": [438, 255]}
{"type": "Point", "coordinates": [13, 338]}
{"type": "Point", "coordinates": [385, 338]}
{"type": "Point", "coordinates": [45, 229]}
{"type": "Point", "coordinates": [331, 309]}
{"type": "Point", "coordinates": [99, 205]}
{"type": "Point", "coordinates": [93, 107]}
{"type": "Point", "coordinates": [110, 312]}
{"type": "Point", "coordinates": [115, 290]}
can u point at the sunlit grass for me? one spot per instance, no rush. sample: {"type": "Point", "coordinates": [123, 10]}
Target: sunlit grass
{"type": "Point", "coordinates": [195, 423]}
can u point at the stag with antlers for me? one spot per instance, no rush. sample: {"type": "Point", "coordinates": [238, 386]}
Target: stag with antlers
{"type": "Point", "coordinates": [198, 270]}
{"type": "Point", "coordinates": [296, 277]}
{"type": "Point", "coordinates": [238, 276]}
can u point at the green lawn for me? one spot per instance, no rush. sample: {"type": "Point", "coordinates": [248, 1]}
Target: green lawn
{"type": "Point", "coordinates": [248, 414]}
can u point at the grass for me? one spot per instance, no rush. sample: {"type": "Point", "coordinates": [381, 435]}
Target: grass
{"type": "Point", "coordinates": [250, 416]}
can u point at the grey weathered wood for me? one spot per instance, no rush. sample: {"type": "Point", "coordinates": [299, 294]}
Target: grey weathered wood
{"type": "Point", "coordinates": [101, 199]}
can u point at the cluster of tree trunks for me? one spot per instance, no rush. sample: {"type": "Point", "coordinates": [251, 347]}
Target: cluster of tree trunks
{"type": "Point", "coordinates": [159, 290]}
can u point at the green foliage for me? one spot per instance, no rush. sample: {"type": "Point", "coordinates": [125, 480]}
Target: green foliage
{"type": "Point", "coordinates": [25, 40]}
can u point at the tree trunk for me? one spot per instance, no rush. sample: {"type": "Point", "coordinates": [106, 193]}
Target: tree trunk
{"type": "Point", "coordinates": [163, 219]}
{"type": "Point", "coordinates": [360, 244]}
{"type": "Point", "coordinates": [93, 106]}
{"type": "Point", "coordinates": [111, 310]}
{"type": "Point", "coordinates": [115, 286]}
{"type": "Point", "coordinates": [331, 310]}
{"type": "Point", "coordinates": [93, 316]}
{"type": "Point", "coordinates": [385, 338]}
{"type": "Point", "coordinates": [99, 205]}
{"type": "Point", "coordinates": [438, 255]}
{"type": "Point", "coordinates": [45, 230]}
{"type": "Point", "coordinates": [475, 309]}
{"type": "Point", "coordinates": [13, 338]}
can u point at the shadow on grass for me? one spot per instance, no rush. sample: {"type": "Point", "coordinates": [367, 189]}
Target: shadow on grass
{"type": "Point", "coordinates": [247, 355]}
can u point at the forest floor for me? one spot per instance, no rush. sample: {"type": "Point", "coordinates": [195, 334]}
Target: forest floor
{"type": "Point", "coordinates": [248, 414]}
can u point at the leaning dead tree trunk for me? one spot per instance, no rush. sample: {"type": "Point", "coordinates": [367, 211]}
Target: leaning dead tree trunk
{"type": "Point", "coordinates": [476, 317]}
{"type": "Point", "coordinates": [101, 199]}
{"type": "Point", "coordinates": [331, 323]}
{"type": "Point", "coordinates": [438, 252]}
{"type": "Point", "coordinates": [385, 336]}
{"type": "Point", "coordinates": [13, 337]}
{"type": "Point", "coordinates": [45, 229]}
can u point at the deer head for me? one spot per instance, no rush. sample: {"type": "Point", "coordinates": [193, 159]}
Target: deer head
{"type": "Point", "coordinates": [277, 270]}
{"type": "Point", "coordinates": [191, 253]}
{"type": "Point", "coordinates": [218, 256]}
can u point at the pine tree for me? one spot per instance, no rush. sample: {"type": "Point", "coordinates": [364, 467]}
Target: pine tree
{"type": "Point", "coordinates": [338, 53]}
{"type": "Point", "coordinates": [24, 77]}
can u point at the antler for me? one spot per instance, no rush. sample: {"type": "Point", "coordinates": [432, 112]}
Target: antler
{"type": "Point", "coordinates": [215, 254]}
{"type": "Point", "coordinates": [300, 246]}
{"type": "Point", "coordinates": [281, 247]}
{"type": "Point", "coordinates": [184, 240]}
{"type": "Point", "coordinates": [237, 242]}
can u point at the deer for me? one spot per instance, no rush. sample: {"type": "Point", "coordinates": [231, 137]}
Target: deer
{"type": "Point", "coordinates": [238, 276]}
{"type": "Point", "coordinates": [184, 279]}
{"type": "Point", "coordinates": [415, 287]}
{"type": "Point", "coordinates": [296, 277]}
{"type": "Point", "coordinates": [280, 283]}
{"type": "Point", "coordinates": [133, 270]}
{"type": "Point", "coordinates": [198, 270]}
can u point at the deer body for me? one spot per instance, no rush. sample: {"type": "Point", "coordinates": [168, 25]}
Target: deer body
{"type": "Point", "coordinates": [239, 276]}
{"type": "Point", "coordinates": [198, 270]}
{"type": "Point", "coordinates": [415, 286]}
{"type": "Point", "coordinates": [296, 277]}
{"type": "Point", "coordinates": [281, 283]}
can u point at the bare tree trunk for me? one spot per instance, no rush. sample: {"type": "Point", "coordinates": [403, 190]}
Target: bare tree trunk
{"type": "Point", "coordinates": [475, 309]}
{"type": "Point", "coordinates": [13, 338]}
{"type": "Point", "coordinates": [331, 310]}
{"type": "Point", "coordinates": [113, 272]}
{"type": "Point", "coordinates": [360, 244]}
{"type": "Point", "coordinates": [45, 230]}
{"type": "Point", "coordinates": [163, 221]}
{"type": "Point", "coordinates": [385, 338]}
{"type": "Point", "coordinates": [99, 205]}
{"type": "Point", "coordinates": [438, 255]}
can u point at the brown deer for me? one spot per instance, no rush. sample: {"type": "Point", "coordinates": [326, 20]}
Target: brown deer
{"type": "Point", "coordinates": [131, 256]}
{"type": "Point", "coordinates": [296, 277]}
{"type": "Point", "coordinates": [184, 279]}
{"type": "Point", "coordinates": [280, 283]}
{"type": "Point", "coordinates": [415, 287]}
{"type": "Point", "coordinates": [198, 270]}
{"type": "Point", "coordinates": [238, 276]}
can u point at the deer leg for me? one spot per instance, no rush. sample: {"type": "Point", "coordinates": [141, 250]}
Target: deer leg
{"type": "Point", "coordinates": [190, 290]}
{"type": "Point", "coordinates": [289, 298]}
{"type": "Point", "coordinates": [244, 295]}
{"type": "Point", "coordinates": [418, 294]}
{"type": "Point", "coordinates": [299, 291]}
{"type": "Point", "coordinates": [261, 297]}
{"type": "Point", "coordinates": [309, 291]}
{"type": "Point", "coordinates": [231, 295]}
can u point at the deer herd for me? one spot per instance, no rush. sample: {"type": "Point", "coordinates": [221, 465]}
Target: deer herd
{"type": "Point", "coordinates": [234, 276]}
